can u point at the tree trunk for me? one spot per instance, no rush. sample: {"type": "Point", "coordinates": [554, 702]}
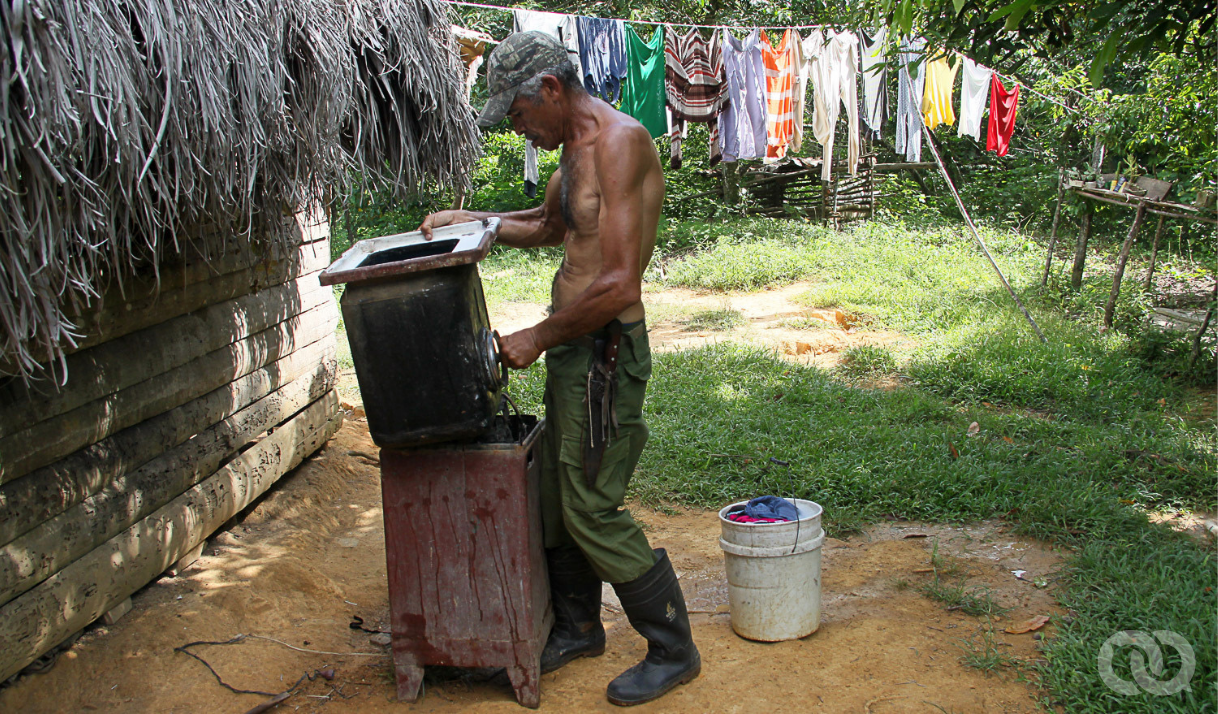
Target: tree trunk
{"type": "Point", "coordinates": [1080, 249]}
{"type": "Point", "coordinates": [1110, 308]}
{"type": "Point", "coordinates": [731, 183]}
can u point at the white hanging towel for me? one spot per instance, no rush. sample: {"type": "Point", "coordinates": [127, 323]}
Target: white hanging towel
{"type": "Point", "coordinates": [565, 29]}
{"type": "Point", "coordinates": [875, 76]}
{"type": "Point", "coordinates": [974, 98]}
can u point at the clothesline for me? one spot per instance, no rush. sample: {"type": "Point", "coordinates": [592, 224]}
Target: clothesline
{"type": "Point", "coordinates": [1024, 84]}
{"type": "Point", "coordinates": [653, 22]}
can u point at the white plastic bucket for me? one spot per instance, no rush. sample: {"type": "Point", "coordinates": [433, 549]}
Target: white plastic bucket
{"type": "Point", "coordinates": [773, 574]}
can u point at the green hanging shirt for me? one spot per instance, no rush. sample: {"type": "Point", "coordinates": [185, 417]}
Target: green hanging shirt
{"type": "Point", "coordinates": [643, 95]}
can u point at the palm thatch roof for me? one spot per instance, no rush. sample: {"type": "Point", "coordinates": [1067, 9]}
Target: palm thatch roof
{"type": "Point", "coordinates": [126, 122]}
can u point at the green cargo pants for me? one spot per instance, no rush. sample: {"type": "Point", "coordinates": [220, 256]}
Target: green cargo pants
{"type": "Point", "coordinates": [574, 512]}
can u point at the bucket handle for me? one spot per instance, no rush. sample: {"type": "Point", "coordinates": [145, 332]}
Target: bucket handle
{"type": "Point", "coordinates": [773, 552]}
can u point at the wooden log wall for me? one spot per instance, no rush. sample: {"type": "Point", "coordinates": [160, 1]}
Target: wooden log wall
{"type": "Point", "coordinates": [182, 405]}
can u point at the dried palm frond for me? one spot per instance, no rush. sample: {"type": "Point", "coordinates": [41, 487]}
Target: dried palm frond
{"type": "Point", "coordinates": [125, 124]}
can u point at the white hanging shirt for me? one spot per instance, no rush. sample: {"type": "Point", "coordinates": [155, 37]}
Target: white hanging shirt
{"type": "Point", "coordinates": [563, 28]}
{"type": "Point", "coordinates": [832, 65]}
{"type": "Point", "coordinates": [974, 98]}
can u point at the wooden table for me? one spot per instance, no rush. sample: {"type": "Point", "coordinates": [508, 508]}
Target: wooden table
{"type": "Point", "coordinates": [1151, 203]}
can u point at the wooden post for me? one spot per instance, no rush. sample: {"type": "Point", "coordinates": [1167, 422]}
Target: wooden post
{"type": "Point", "coordinates": [1110, 308]}
{"type": "Point", "coordinates": [1080, 249]}
{"type": "Point", "coordinates": [1057, 213]}
{"type": "Point", "coordinates": [1209, 314]}
{"type": "Point", "coordinates": [1154, 255]}
{"type": "Point", "coordinates": [731, 183]}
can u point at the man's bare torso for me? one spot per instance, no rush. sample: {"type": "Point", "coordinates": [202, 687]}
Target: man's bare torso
{"type": "Point", "coordinates": [579, 196]}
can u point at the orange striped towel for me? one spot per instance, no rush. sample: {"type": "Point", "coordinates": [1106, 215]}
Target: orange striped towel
{"type": "Point", "coordinates": [779, 93]}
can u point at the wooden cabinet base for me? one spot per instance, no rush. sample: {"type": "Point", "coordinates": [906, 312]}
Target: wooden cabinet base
{"type": "Point", "coordinates": [466, 560]}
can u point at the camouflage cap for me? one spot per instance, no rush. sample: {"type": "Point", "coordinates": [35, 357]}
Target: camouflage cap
{"type": "Point", "coordinates": [519, 58]}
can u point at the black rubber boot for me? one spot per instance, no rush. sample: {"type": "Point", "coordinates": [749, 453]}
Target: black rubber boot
{"type": "Point", "coordinates": [575, 590]}
{"type": "Point", "coordinates": [656, 608]}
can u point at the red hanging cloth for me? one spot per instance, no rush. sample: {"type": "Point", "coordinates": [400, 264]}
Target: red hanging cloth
{"type": "Point", "coordinates": [1002, 116]}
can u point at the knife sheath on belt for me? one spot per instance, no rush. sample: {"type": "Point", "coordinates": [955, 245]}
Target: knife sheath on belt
{"type": "Point", "coordinates": [602, 394]}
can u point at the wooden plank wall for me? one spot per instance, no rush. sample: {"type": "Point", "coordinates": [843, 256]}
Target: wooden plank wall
{"type": "Point", "coordinates": [182, 406]}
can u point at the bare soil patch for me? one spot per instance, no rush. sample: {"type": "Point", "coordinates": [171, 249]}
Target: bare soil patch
{"type": "Point", "coordinates": [768, 316]}
{"type": "Point", "coordinates": [310, 556]}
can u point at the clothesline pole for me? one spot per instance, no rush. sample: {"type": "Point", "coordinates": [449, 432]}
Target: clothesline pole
{"type": "Point", "coordinates": [976, 236]}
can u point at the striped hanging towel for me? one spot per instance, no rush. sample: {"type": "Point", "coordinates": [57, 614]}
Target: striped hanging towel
{"type": "Point", "coordinates": [780, 64]}
{"type": "Point", "coordinates": [696, 87]}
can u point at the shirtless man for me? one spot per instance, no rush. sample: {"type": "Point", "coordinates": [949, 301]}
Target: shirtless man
{"type": "Point", "coordinates": [602, 205]}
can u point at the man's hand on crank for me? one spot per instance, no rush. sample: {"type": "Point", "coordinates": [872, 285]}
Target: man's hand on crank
{"type": "Point", "coordinates": [519, 349]}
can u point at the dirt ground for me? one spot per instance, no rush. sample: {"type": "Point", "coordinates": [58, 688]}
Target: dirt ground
{"type": "Point", "coordinates": [297, 567]}
{"type": "Point", "coordinates": [768, 316]}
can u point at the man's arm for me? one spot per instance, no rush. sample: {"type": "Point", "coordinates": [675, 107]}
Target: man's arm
{"type": "Point", "coordinates": [530, 228]}
{"type": "Point", "coordinates": [624, 154]}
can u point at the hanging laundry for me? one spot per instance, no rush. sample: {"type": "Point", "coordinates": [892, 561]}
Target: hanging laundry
{"type": "Point", "coordinates": [695, 85]}
{"type": "Point", "coordinates": [643, 94]}
{"type": "Point", "coordinates": [602, 53]}
{"type": "Point", "coordinates": [974, 95]}
{"type": "Point", "coordinates": [742, 125]}
{"type": "Point", "coordinates": [833, 66]}
{"type": "Point", "coordinates": [910, 81]}
{"type": "Point", "coordinates": [803, 76]}
{"type": "Point", "coordinates": [472, 46]}
{"type": "Point", "coordinates": [1003, 105]}
{"type": "Point", "coordinates": [875, 80]}
{"type": "Point", "coordinates": [564, 29]}
{"type": "Point", "coordinates": [780, 64]}
{"type": "Point", "coordinates": [937, 97]}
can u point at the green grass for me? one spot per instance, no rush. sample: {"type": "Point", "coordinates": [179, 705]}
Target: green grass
{"type": "Point", "coordinates": [984, 653]}
{"type": "Point", "coordinates": [1078, 439]}
{"type": "Point", "coordinates": [510, 275]}
{"type": "Point", "coordinates": [715, 320]}
{"type": "Point", "coordinates": [867, 360]}
{"type": "Point", "coordinates": [864, 454]}
{"type": "Point", "coordinates": [970, 600]}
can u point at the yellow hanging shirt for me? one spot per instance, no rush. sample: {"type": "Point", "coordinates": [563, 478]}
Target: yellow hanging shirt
{"type": "Point", "coordinates": [937, 97]}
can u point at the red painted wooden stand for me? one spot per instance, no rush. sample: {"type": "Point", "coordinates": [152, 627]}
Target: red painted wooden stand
{"type": "Point", "coordinates": [466, 561]}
